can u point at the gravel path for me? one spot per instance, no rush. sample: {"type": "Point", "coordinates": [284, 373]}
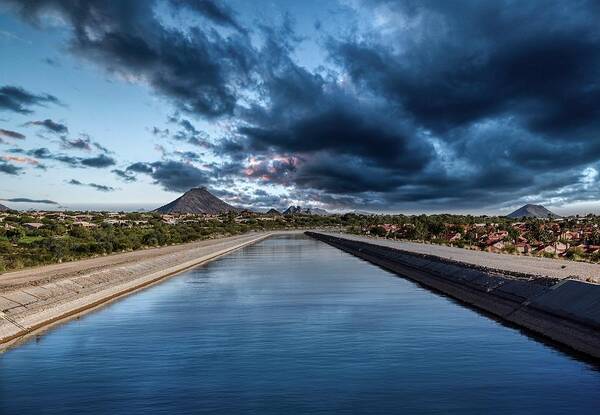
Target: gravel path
{"type": "Point", "coordinates": [558, 268]}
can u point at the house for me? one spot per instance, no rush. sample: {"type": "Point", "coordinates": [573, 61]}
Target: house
{"type": "Point", "coordinates": [453, 237]}
{"type": "Point", "coordinates": [83, 217]}
{"type": "Point", "coordinates": [554, 249]}
{"type": "Point", "coordinates": [115, 222]}
{"type": "Point", "coordinates": [589, 249]}
{"type": "Point", "coordinates": [169, 219]}
{"type": "Point", "coordinates": [523, 247]}
{"type": "Point", "coordinates": [33, 225]}
{"type": "Point", "coordinates": [84, 224]}
{"type": "Point", "coordinates": [496, 237]}
{"type": "Point", "coordinates": [389, 228]}
{"type": "Point", "coordinates": [496, 247]}
{"type": "Point", "coordinates": [247, 214]}
{"type": "Point", "coordinates": [571, 235]}
{"type": "Point", "coordinates": [592, 249]}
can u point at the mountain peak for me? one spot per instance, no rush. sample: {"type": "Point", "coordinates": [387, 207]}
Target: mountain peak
{"type": "Point", "coordinates": [197, 200]}
{"type": "Point", "coordinates": [532, 211]}
{"type": "Point", "coordinates": [292, 210]}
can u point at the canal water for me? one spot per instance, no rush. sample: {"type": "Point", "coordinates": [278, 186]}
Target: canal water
{"type": "Point", "coordinates": [291, 325]}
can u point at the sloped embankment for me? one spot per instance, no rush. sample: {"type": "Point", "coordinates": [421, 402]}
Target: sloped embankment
{"type": "Point", "coordinates": [33, 299]}
{"type": "Point", "coordinates": [566, 311]}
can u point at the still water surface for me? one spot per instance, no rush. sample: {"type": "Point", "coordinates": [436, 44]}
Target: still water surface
{"type": "Point", "coordinates": [291, 325]}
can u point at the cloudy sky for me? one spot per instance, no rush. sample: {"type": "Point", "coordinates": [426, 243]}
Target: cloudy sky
{"type": "Point", "coordinates": [404, 106]}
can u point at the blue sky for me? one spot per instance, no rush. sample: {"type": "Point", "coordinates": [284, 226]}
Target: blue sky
{"type": "Point", "coordinates": [397, 106]}
{"type": "Point", "coordinates": [115, 113]}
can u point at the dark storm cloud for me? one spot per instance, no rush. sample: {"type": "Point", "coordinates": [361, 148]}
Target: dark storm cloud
{"type": "Point", "coordinates": [43, 153]}
{"type": "Point", "coordinates": [485, 60]}
{"type": "Point", "coordinates": [99, 187]}
{"type": "Point", "coordinates": [80, 143]}
{"type": "Point", "coordinates": [315, 135]}
{"type": "Point", "coordinates": [224, 173]}
{"type": "Point", "coordinates": [8, 168]}
{"type": "Point", "coordinates": [482, 59]}
{"type": "Point", "coordinates": [186, 133]}
{"type": "Point", "coordinates": [98, 161]}
{"type": "Point", "coordinates": [99, 146]}
{"type": "Point", "coordinates": [140, 167]}
{"type": "Point", "coordinates": [493, 103]}
{"type": "Point", "coordinates": [197, 68]}
{"type": "Point", "coordinates": [162, 133]}
{"type": "Point", "coordinates": [438, 104]}
{"type": "Point", "coordinates": [174, 176]}
{"type": "Point", "coordinates": [254, 199]}
{"type": "Point", "coordinates": [83, 142]}
{"type": "Point", "coordinates": [215, 11]}
{"type": "Point", "coordinates": [124, 175]}
{"type": "Point", "coordinates": [191, 138]}
{"type": "Point", "coordinates": [50, 126]}
{"type": "Point", "coordinates": [17, 99]}
{"type": "Point", "coordinates": [344, 132]}
{"type": "Point", "coordinates": [11, 134]}
{"type": "Point", "coordinates": [178, 176]}
{"type": "Point", "coordinates": [348, 175]}
{"type": "Point", "coordinates": [272, 170]}
{"type": "Point", "coordinates": [188, 155]}
{"type": "Point", "coordinates": [27, 200]}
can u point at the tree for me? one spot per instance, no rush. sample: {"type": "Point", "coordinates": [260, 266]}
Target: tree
{"type": "Point", "coordinates": [513, 234]}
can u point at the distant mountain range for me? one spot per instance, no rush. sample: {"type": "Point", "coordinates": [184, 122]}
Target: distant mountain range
{"type": "Point", "coordinates": [532, 211]}
{"type": "Point", "coordinates": [200, 201]}
{"type": "Point", "coordinates": [362, 212]}
{"type": "Point", "coordinates": [293, 210]}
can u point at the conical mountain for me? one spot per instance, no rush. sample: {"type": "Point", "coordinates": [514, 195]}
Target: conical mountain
{"type": "Point", "coordinates": [532, 211]}
{"type": "Point", "coordinates": [197, 200]}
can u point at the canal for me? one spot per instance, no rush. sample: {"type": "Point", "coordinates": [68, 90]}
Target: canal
{"type": "Point", "coordinates": [291, 325]}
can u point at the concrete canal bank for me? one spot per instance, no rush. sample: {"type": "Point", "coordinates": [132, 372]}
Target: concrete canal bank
{"type": "Point", "coordinates": [33, 299]}
{"type": "Point", "coordinates": [564, 310]}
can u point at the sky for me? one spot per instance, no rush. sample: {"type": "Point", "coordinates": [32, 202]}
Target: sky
{"type": "Point", "coordinates": [383, 106]}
